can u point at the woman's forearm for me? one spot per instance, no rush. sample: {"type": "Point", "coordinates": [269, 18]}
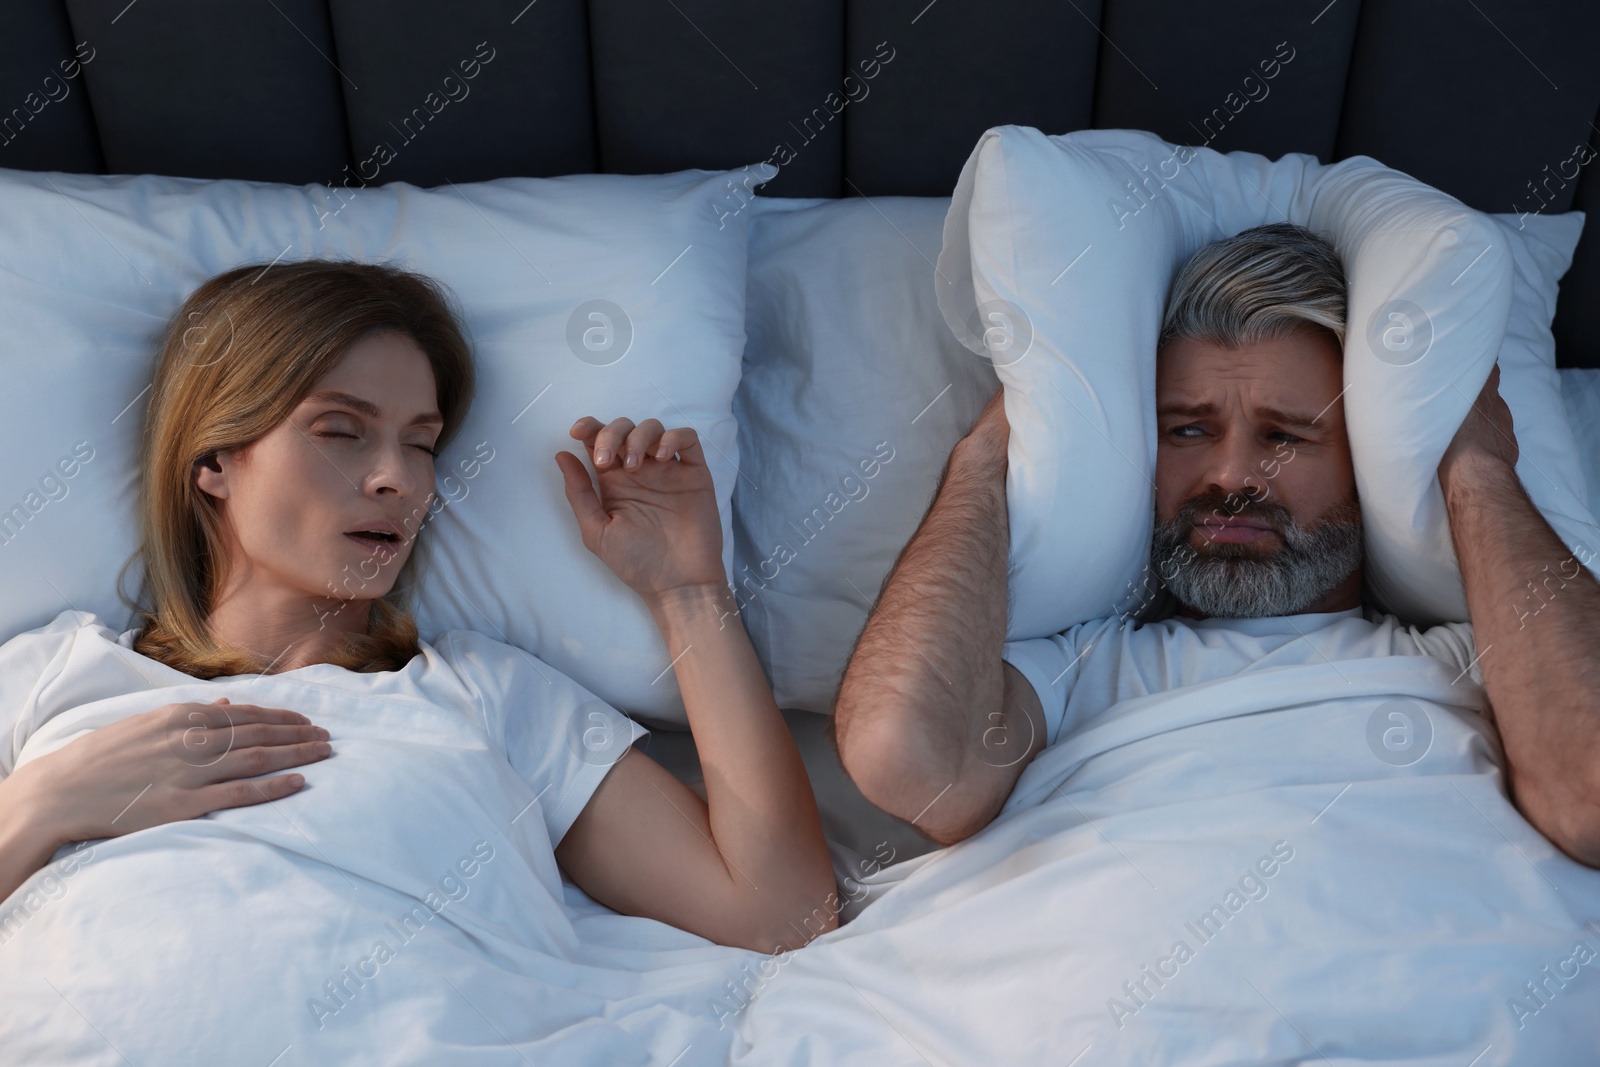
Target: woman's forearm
{"type": "Point", "coordinates": [762, 813]}
{"type": "Point", "coordinates": [26, 843]}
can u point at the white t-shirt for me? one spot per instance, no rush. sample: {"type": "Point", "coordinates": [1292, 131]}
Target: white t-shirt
{"type": "Point", "coordinates": [1083, 671]}
{"type": "Point", "coordinates": [75, 674]}
{"type": "Point", "coordinates": [406, 900]}
{"type": "Point", "coordinates": [474, 748]}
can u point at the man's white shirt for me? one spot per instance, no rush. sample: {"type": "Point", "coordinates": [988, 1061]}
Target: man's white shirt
{"type": "Point", "coordinates": [1086, 669]}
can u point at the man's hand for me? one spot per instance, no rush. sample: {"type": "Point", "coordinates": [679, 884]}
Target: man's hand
{"type": "Point", "coordinates": [990, 435]}
{"type": "Point", "coordinates": [1485, 432]}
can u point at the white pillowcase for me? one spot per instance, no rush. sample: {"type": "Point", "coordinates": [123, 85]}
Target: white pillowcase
{"type": "Point", "coordinates": [91, 269]}
{"type": "Point", "coordinates": [853, 394]}
{"type": "Point", "coordinates": [1551, 457]}
{"type": "Point", "coordinates": [841, 332]}
{"type": "Point", "coordinates": [1580, 389]}
{"type": "Point", "coordinates": [1057, 257]}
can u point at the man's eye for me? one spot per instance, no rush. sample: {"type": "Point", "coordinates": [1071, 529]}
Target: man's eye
{"type": "Point", "coordinates": [426, 449]}
{"type": "Point", "coordinates": [1286, 434]}
{"type": "Point", "coordinates": [1178, 430]}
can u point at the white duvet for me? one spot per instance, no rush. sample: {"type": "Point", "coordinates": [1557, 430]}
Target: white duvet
{"type": "Point", "coordinates": [1220, 874]}
{"type": "Point", "coordinates": [404, 907]}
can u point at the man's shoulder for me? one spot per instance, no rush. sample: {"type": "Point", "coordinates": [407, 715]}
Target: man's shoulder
{"type": "Point", "coordinates": [1449, 642]}
{"type": "Point", "coordinates": [1381, 618]}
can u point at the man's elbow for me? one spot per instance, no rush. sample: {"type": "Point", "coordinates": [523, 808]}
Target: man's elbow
{"type": "Point", "coordinates": [1579, 840]}
{"type": "Point", "coordinates": [879, 761]}
{"type": "Point", "coordinates": [913, 787]}
{"type": "Point", "coordinates": [1567, 813]}
{"type": "Point", "coordinates": [903, 771]}
{"type": "Point", "coordinates": [874, 734]}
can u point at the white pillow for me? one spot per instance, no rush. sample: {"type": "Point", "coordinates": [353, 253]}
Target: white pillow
{"type": "Point", "coordinates": [853, 394]}
{"type": "Point", "coordinates": [1580, 389]}
{"type": "Point", "coordinates": [1057, 257]}
{"type": "Point", "coordinates": [91, 269]}
{"type": "Point", "coordinates": [1550, 460]}
{"type": "Point", "coordinates": [841, 331]}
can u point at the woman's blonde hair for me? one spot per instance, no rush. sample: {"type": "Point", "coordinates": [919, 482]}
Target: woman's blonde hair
{"type": "Point", "coordinates": [236, 360]}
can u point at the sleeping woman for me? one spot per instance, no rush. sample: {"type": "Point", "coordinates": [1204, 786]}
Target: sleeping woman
{"type": "Point", "coordinates": [274, 800]}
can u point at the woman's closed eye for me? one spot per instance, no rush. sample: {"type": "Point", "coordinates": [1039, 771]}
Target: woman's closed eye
{"type": "Point", "coordinates": [354, 437]}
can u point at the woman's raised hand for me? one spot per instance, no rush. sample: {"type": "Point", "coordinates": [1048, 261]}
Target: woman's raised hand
{"type": "Point", "coordinates": [179, 761]}
{"type": "Point", "coordinates": [654, 521]}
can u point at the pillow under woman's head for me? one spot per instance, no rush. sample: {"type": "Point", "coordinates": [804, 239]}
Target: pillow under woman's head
{"type": "Point", "coordinates": [1057, 257]}
{"type": "Point", "coordinates": [295, 407]}
{"type": "Point", "coordinates": [589, 294]}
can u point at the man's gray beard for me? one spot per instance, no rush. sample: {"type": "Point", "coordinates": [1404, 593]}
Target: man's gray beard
{"type": "Point", "coordinates": [1231, 580]}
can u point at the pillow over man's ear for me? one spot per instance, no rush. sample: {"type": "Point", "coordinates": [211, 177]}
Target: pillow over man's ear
{"type": "Point", "coordinates": [1057, 257]}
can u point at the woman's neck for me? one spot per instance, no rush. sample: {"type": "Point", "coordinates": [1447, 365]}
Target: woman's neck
{"type": "Point", "coordinates": [285, 630]}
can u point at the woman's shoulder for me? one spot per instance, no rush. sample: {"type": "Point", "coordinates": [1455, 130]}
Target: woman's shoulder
{"type": "Point", "coordinates": [471, 648]}
{"type": "Point", "coordinates": [30, 663]}
{"type": "Point", "coordinates": [66, 624]}
{"type": "Point", "coordinates": [516, 685]}
{"type": "Point", "coordinates": [25, 655]}
{"type": "Point", "coordinates": [507, 676]}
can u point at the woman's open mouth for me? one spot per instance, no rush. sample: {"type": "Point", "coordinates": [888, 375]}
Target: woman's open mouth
{"type": "Point", "coordinates": [379, 542]}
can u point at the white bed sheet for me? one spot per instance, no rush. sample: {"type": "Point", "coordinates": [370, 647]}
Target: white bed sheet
{"type": "Point", "coordinates": [1405, 910]}
{"type": "Point", "coordinates": [404, 907]}
{"type": "Point", "coordinates": [1412, 917]}
{"type": "Point", "coordinates": [1414, 904]}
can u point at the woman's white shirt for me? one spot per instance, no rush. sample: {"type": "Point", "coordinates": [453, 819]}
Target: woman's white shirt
{"type": "Point", "coordinates": [474, 745]}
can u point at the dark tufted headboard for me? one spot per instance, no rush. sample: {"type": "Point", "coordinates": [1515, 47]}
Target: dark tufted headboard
{"type": "Point", "coordinates": [1494, 101]}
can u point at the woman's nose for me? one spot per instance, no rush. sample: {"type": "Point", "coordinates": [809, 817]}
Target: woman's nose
{"type": "Point", "coordinates": [393, 471]}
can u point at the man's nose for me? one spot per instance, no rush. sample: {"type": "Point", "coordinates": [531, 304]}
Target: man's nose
{"type": "Point", "coordinates": [1235, 466]}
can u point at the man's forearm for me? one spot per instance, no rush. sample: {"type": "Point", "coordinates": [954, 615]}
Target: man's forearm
{"type": "Point", "coordinates": [1536, 622]}
{"type": "Point", "coordinates": [927, 669]}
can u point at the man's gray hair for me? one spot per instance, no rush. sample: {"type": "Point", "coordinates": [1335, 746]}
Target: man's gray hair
{"type": "Point", "coordinates": [1259, 285]}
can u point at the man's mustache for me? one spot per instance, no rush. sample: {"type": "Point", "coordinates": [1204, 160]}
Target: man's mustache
{"type": "Point", "coordinates": [1195, 511]}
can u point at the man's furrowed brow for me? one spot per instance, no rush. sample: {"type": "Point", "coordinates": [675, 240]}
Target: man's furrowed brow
{"type": "Point", "coordinates": [1299, 420]}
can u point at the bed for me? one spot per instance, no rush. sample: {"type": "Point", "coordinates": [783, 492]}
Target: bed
{"type": "Point", "coordinates": [1457, 935]}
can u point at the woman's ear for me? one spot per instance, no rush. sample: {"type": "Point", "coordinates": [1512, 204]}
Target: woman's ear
{"type": "Point", "coordinates": [209, 477]}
